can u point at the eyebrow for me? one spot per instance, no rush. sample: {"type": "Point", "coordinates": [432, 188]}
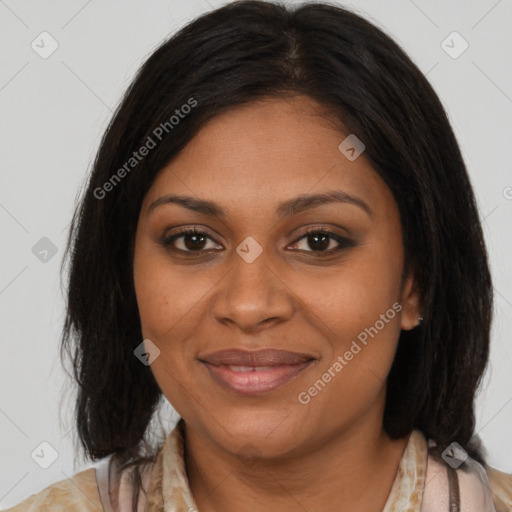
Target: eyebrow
{"type": "Point", "coordinates": [287, 208]}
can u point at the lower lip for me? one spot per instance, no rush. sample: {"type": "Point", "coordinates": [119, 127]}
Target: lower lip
{"type": "Point", "coordinates": [255, 381]}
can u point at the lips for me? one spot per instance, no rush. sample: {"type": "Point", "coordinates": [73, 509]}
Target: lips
{"type": "Point", "coordinates": [255, 372]}
{"type": "Point", "coordinates": [263, 357]}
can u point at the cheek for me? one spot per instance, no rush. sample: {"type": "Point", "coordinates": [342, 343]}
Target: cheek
{"type": "Point", "coordinates": [167, 302]}
{"type": "Point", "coordinates": [361, 311]}
{"type": "Point", "coordinates": [358, 308]}
{"type": "Point", "coordinates": [152, 289]}
{"type": "Point", "coordinates": [356, 294]}
{"type": "Point", "coordinates": [166, 294]}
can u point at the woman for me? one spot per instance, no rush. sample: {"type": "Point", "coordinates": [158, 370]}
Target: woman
{"type": "Point", "coordinates": [279, 236]}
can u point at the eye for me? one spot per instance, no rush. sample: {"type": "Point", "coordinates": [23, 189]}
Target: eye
{"type": "Point", "coordinates": [315, 240]}
{"type": "Point", "coordinates": [189, 240]}
{"type": "Point", "coordinates": [321, 241]}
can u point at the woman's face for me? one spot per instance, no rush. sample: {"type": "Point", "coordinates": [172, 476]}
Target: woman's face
{"type": "Point", "coordinates": [254, 279]}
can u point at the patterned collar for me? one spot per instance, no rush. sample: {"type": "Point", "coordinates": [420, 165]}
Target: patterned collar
{"type": "Point", "coordinates": [170, 491]}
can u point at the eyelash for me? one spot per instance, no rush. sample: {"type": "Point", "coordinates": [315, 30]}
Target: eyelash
{"type": "Point", "coordinates": [342, 241]}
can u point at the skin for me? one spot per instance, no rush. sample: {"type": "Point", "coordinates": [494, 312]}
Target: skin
{"type": "Point", "coordinates": [271, 452]}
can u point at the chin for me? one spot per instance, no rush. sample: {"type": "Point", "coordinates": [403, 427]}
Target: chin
{"type": "Point", "coordinates": [255, 432]}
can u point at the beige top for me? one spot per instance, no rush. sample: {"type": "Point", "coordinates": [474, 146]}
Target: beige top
{"type": "Point", "coordinates": [421, 485]}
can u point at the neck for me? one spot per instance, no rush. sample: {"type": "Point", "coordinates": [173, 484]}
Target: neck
{"type": "Point", "coordinates": [352, 470]}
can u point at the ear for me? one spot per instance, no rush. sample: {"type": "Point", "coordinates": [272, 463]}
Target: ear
{"type": "Point", "coordinates": [411, 304]}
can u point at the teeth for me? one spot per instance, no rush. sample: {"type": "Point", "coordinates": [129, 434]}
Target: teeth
{"type": "Point", "coordinates": [248, 368]}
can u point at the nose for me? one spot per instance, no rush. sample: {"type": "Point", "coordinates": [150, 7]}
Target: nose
{"type": "Point", "coordinates": [253, 296]}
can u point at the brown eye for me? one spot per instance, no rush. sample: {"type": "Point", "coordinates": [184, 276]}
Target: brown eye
{"type": "Point", "coordinates": [321, 241]}
{"type": "Point", "coordinates": [189, 240]}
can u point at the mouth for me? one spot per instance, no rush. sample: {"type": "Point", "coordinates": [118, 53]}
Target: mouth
{"type": "Point", "coordinates": [255, 372]}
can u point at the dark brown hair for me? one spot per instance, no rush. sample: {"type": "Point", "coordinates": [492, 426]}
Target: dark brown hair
{"type": "Point", "coordinates": [234, 55]}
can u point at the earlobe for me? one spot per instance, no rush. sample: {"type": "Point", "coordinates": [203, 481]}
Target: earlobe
{"type": "Point", "coordinates": [411, 309]}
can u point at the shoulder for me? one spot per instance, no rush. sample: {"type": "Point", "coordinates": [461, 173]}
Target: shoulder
{"type": "Point", "coordinates": [77, 493]}
{"type": "Point", "coordinates": [501, 485]}
{"type": "Point", "coordinates": [477, 488]}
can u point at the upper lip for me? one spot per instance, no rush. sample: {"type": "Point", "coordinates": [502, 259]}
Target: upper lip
{"type": "Point", "coordinates": [262, 357]}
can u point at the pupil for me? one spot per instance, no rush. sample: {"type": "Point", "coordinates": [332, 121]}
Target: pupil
{"type": "Point", "coordinates": [196, 239]}
{"type": "Point", "coordinates": [323, 245]}
{"type": "Point", "coordinates": [320, 241]}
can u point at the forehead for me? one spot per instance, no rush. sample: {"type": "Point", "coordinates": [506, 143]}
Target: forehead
{"type": "Point", "coordinates": [260, 153]}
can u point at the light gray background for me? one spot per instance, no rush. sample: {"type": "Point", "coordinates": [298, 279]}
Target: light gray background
{"type": "Point", "coordinates": [54, 110]}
